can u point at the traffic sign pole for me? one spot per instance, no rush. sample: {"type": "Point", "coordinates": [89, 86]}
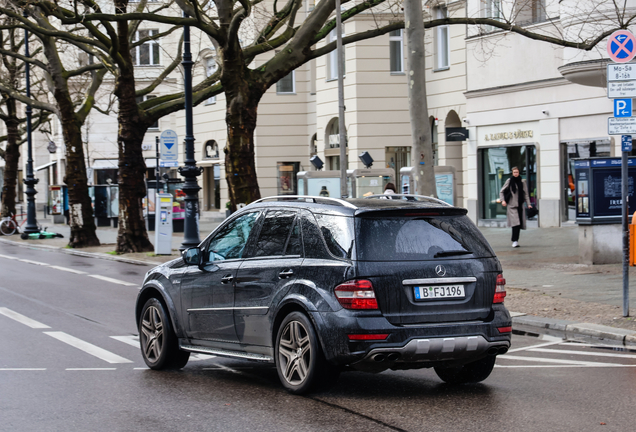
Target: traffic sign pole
{"type": "Point", "coordinates": [621, 83]}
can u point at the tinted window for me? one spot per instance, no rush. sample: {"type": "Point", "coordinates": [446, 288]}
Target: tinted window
{"type": "Point", "coordinates": [312, 239]}
{"type": "Point", "coordinates": [408, 239]}
{"type": "Point", "coordinates": [294, 245]}
{"type": "Point", "coordinates": [273, 236]}
{"type": "Point", "coordinates": [338, 234]}
{"type": "Point", "coordinates": [230, 241]}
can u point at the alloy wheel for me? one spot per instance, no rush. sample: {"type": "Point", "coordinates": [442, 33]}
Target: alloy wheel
{"type": "Point", "coordinates": [152, 334]}
{"type": "Point", "coordinates": [295, 353]}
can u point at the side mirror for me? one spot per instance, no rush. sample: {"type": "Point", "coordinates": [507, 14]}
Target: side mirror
{"type": "Point", "coordinates": [192, 256]}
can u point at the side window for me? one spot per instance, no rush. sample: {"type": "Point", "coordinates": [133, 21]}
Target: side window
{"type": "Point", "coordinates": [338, 234]}
{"type": "Point", "coordinates": [230, 242]}
{"type": "Point", "coordinates": [312, 239]}
{"type": "Point", "coordinates": [274, 233]}
{"type": "Point", "coordinates": [294, 246]}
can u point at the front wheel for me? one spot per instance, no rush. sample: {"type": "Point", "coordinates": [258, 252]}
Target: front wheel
{"type": "Point", "coordinates": [300, 362]}
{"type": "Point", "coordinates": [159, 344]}
{"type": "Point", "coordinates": [474, 372]}
{"type": "Point", "coordinates": [8, 227]}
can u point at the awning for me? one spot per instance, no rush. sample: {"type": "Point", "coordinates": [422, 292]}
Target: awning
{"type": "Point", "coordinates": [105, 164]}
{"type": "Point", "coordinates": [41, 167]}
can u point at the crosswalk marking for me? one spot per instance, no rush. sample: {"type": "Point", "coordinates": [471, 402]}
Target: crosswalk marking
{"type": "Point", "coordinates": [536, 346]}
{"type": "Point", "coordinates": [22, 369]}
{"type": "Point", "coordinates": [116, 281]}
{"type": "Point", "coordinates": [88, 348]}
{"type": "Point", "coordinates": [546, 360]}
{"type": "Point", "coordinates": [8, 257]}
{"type": "Point", "coordinates": [91, 369]}
{"type": "Point", "coordinates": [587, 353]}
{"type": "Point", "coordinates": [32, 262]}
{"type": "Point", "coordinates": [22, 319]}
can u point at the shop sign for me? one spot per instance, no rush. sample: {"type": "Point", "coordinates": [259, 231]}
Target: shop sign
{"type": "Point", "coordinates": [456, 134]}
{"type": "Point", "coordinates": [509, 135]}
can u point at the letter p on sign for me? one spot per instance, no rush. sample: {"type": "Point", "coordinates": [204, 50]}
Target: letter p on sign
{"type": "Point", "coordinates": [622, 107]}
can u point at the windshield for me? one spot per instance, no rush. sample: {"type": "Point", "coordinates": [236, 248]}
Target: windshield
{"type": "Point", "coordinates": [417, 239]}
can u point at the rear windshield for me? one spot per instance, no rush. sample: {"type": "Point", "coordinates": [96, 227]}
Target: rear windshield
{"type": "Point", "coordinates": [416, 239]}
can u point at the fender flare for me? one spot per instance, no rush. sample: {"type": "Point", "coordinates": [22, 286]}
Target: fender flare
{"type": "Point", "coordinates": [167, 301]}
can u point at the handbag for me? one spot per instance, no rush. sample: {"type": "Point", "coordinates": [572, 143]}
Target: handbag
{"type": "Point", "coordinates": [507, 195]}
{"type": "Point", "coordinates": [532, 212]}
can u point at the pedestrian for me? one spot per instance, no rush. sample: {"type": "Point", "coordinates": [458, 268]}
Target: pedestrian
{"type": "Point", "coordinates": [513, 194]}
{"type": "Point", "coordinates": [389, 189]}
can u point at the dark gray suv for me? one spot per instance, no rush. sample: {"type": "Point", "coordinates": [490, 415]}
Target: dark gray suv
{"type": "Point", "coordinates": [321, 285]}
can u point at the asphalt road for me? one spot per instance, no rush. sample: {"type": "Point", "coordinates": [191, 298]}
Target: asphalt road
{"type": "Point", "coordinates": [69, 361]}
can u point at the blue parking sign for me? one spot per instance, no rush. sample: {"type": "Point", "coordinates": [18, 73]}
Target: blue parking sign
{"type": "Point", "coordinates": [626, 143]}
{"type": "Point", "coordinates": [622, 107]}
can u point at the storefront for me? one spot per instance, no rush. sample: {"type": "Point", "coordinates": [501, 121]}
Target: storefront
{"type": "Point", "coordinates": [498, 153]}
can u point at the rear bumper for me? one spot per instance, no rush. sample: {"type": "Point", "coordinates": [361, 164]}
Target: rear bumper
{"type": "Point", "coordinates": [459, 342]}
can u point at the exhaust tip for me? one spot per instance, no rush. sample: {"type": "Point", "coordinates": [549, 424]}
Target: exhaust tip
{"type": "Point", "coordinates": [379, 357]}
{"type": "Point", "coordinates": [502, 350]}
{"type": "Point", "coordinates": [492, 351]}
{"type": "Point", "coordinates": [393, 357]}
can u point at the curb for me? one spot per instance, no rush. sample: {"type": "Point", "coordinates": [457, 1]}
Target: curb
{"type": "Point", "coordinates": [82, 253]}
{"type": "Point", "coordinates": [572, 330]}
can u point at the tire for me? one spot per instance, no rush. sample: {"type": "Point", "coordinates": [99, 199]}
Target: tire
{"type": "Point", "coordinates": [300, 362]}
{"type": "Point", "coordinates": [159, 344]}
{"type": "Point", "coordinates": [8, 227]}
{"type": "Point", "coordinates": [474, 372]}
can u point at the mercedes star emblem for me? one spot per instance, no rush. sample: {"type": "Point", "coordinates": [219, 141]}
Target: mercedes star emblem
{"type": "Point", "coordinates": [440, 270]}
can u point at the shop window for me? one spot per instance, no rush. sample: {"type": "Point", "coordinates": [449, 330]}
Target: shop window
{"type": "Point", "coordinates": [287, 182]}
{"type": "Point", "coordinates": [105, 176]}
{"type": "Point", "coordinates": [397, 158]}
{"type": "Point", "coordinates": [496, 165]}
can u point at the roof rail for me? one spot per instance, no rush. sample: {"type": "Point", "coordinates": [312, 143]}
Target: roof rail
{"type": "Point", "coordinates": [306, 198]}
{"type": "Point", "coordinates": [411, 196]}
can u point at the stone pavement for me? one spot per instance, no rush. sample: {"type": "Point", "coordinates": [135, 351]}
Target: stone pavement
{"type": "Point", "coordinates": [545, 264]}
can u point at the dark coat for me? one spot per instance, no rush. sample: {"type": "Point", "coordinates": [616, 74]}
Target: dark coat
{"type": "Point", "coordinates": [512, 214]}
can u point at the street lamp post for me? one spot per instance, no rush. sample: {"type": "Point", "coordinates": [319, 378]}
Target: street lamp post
{"type": "Point", "coordinates": [190, 170]}
{"type": "Point", "coordinates": [30, 181]}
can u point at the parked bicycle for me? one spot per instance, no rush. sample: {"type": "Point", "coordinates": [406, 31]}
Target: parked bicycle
{"type": "Point", "coordinates": [11, 224]}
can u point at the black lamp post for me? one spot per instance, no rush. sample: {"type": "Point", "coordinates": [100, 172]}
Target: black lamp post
{"type": "Point", "coordinates": [190, 171]}
{"type": "Point", "coordinates": [30, 181]}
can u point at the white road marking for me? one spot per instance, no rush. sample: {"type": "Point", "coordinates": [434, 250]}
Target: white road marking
{"type": "Point", "coordinates": [601, 365]}
{"type": "Point", "coordinates": [32, 262]}
{"type": "Point", "coordinates": [22, 369]}
{"type": "Point", "coordinates": [67, 269]}
{"type": "Point", "coordinates": [536, 346]}
{"type": "Point", "coordinates": [587, 353]}
{"type": "Point", "coordinates": [116, 281]}
{"type": "Point", "coordinates": [88, 348]}
{"type": "Point", "coordinates": [130, 340]}
{"type": "Point", "coordinates": [91, 369]}
{"type": "Point", "coordinates": [545, 360]}
{"type": "Point", "coordinates": [22, 319]}
{"type": "Point", "coordinates": [8, 257]}
{"type": "Point", "coordinates": [198, 357]}
{"type": "Point", "coordinates": [141, 368]}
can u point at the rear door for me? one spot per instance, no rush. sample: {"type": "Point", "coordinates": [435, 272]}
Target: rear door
{"type": "Point", "coordinates": [266, 274]}
{"type": "Point", "coordinates": [426, 267]}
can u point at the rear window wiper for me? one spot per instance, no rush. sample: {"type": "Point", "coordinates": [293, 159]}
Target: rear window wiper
{"type": "Point", "coordinates": [451, 253]}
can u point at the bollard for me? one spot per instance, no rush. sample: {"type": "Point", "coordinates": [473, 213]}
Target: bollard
{"type": "Point", "coordinates": [632, 241]}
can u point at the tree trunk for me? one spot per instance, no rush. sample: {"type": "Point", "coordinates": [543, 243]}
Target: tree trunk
{"type": "Point", "coordinates": [132, 235]}
{"type": "Point", "coordinates": [11, 160]}
{"type": "Point", "coordinates": [80, 207]}
{"type": "Point", "coordinates": [240, 167]}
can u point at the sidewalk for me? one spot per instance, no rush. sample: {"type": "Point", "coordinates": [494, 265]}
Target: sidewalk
{"type": "Point", "coordinates": [548, 290]}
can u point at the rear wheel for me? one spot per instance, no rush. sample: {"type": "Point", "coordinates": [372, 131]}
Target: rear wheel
{"type": "Point", "coordinates": [300, 362]}
{"type": "Point", "coordinates": [474, 372]}
{"type": "Point", "coordinates": [8, 227]}
{"type": "Point", "coordinates": [159, 344]}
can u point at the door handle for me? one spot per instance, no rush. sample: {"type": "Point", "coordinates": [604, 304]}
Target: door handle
{"type": "Point", "coordinates": [286, 273]}
{"type": "Point", "coordinates": [227, 279]}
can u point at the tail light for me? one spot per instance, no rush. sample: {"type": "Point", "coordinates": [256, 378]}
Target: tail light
{"type": "Point", "coordinates": [500, 289]}
{"type": "Point", "coordinates": [356, 294]}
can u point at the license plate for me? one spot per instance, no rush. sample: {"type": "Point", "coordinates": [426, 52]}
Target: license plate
{"type": "Point", "coordinates": [439, 291]}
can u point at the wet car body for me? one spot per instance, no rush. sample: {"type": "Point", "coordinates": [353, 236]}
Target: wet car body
{"type": "Point", "coordinates": [294, 256]}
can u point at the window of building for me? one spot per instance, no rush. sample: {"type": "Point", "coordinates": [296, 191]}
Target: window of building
{"type": "Point", "coordinates": [146, 54]}
{"type": "Point", "coordinates": [333, 134]}
{"type": "Point", "coordinates": [287, 84]}
{"type": "Point", "coordinates": [530, 12]}
{"type": "Point", "coordinates": [332, 58]}
{"type": "Point", "coordinates": [287, 174]}
{"type": "Point", "coordinates": [140, 99]}
{"type": "Point", "coordinates": [442, 45]}
{"type": "Point", "coordinates": [211, 67]}
{"type": "Point", "coordinates": [211, 150]}
{"type": "Point", "coordinates": [492, 9]}
{"type": "Point", "coordinates": [396, 51]}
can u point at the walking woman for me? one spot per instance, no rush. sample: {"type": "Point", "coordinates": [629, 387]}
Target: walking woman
{"type": "Point", "coordinates": [513, 194]}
